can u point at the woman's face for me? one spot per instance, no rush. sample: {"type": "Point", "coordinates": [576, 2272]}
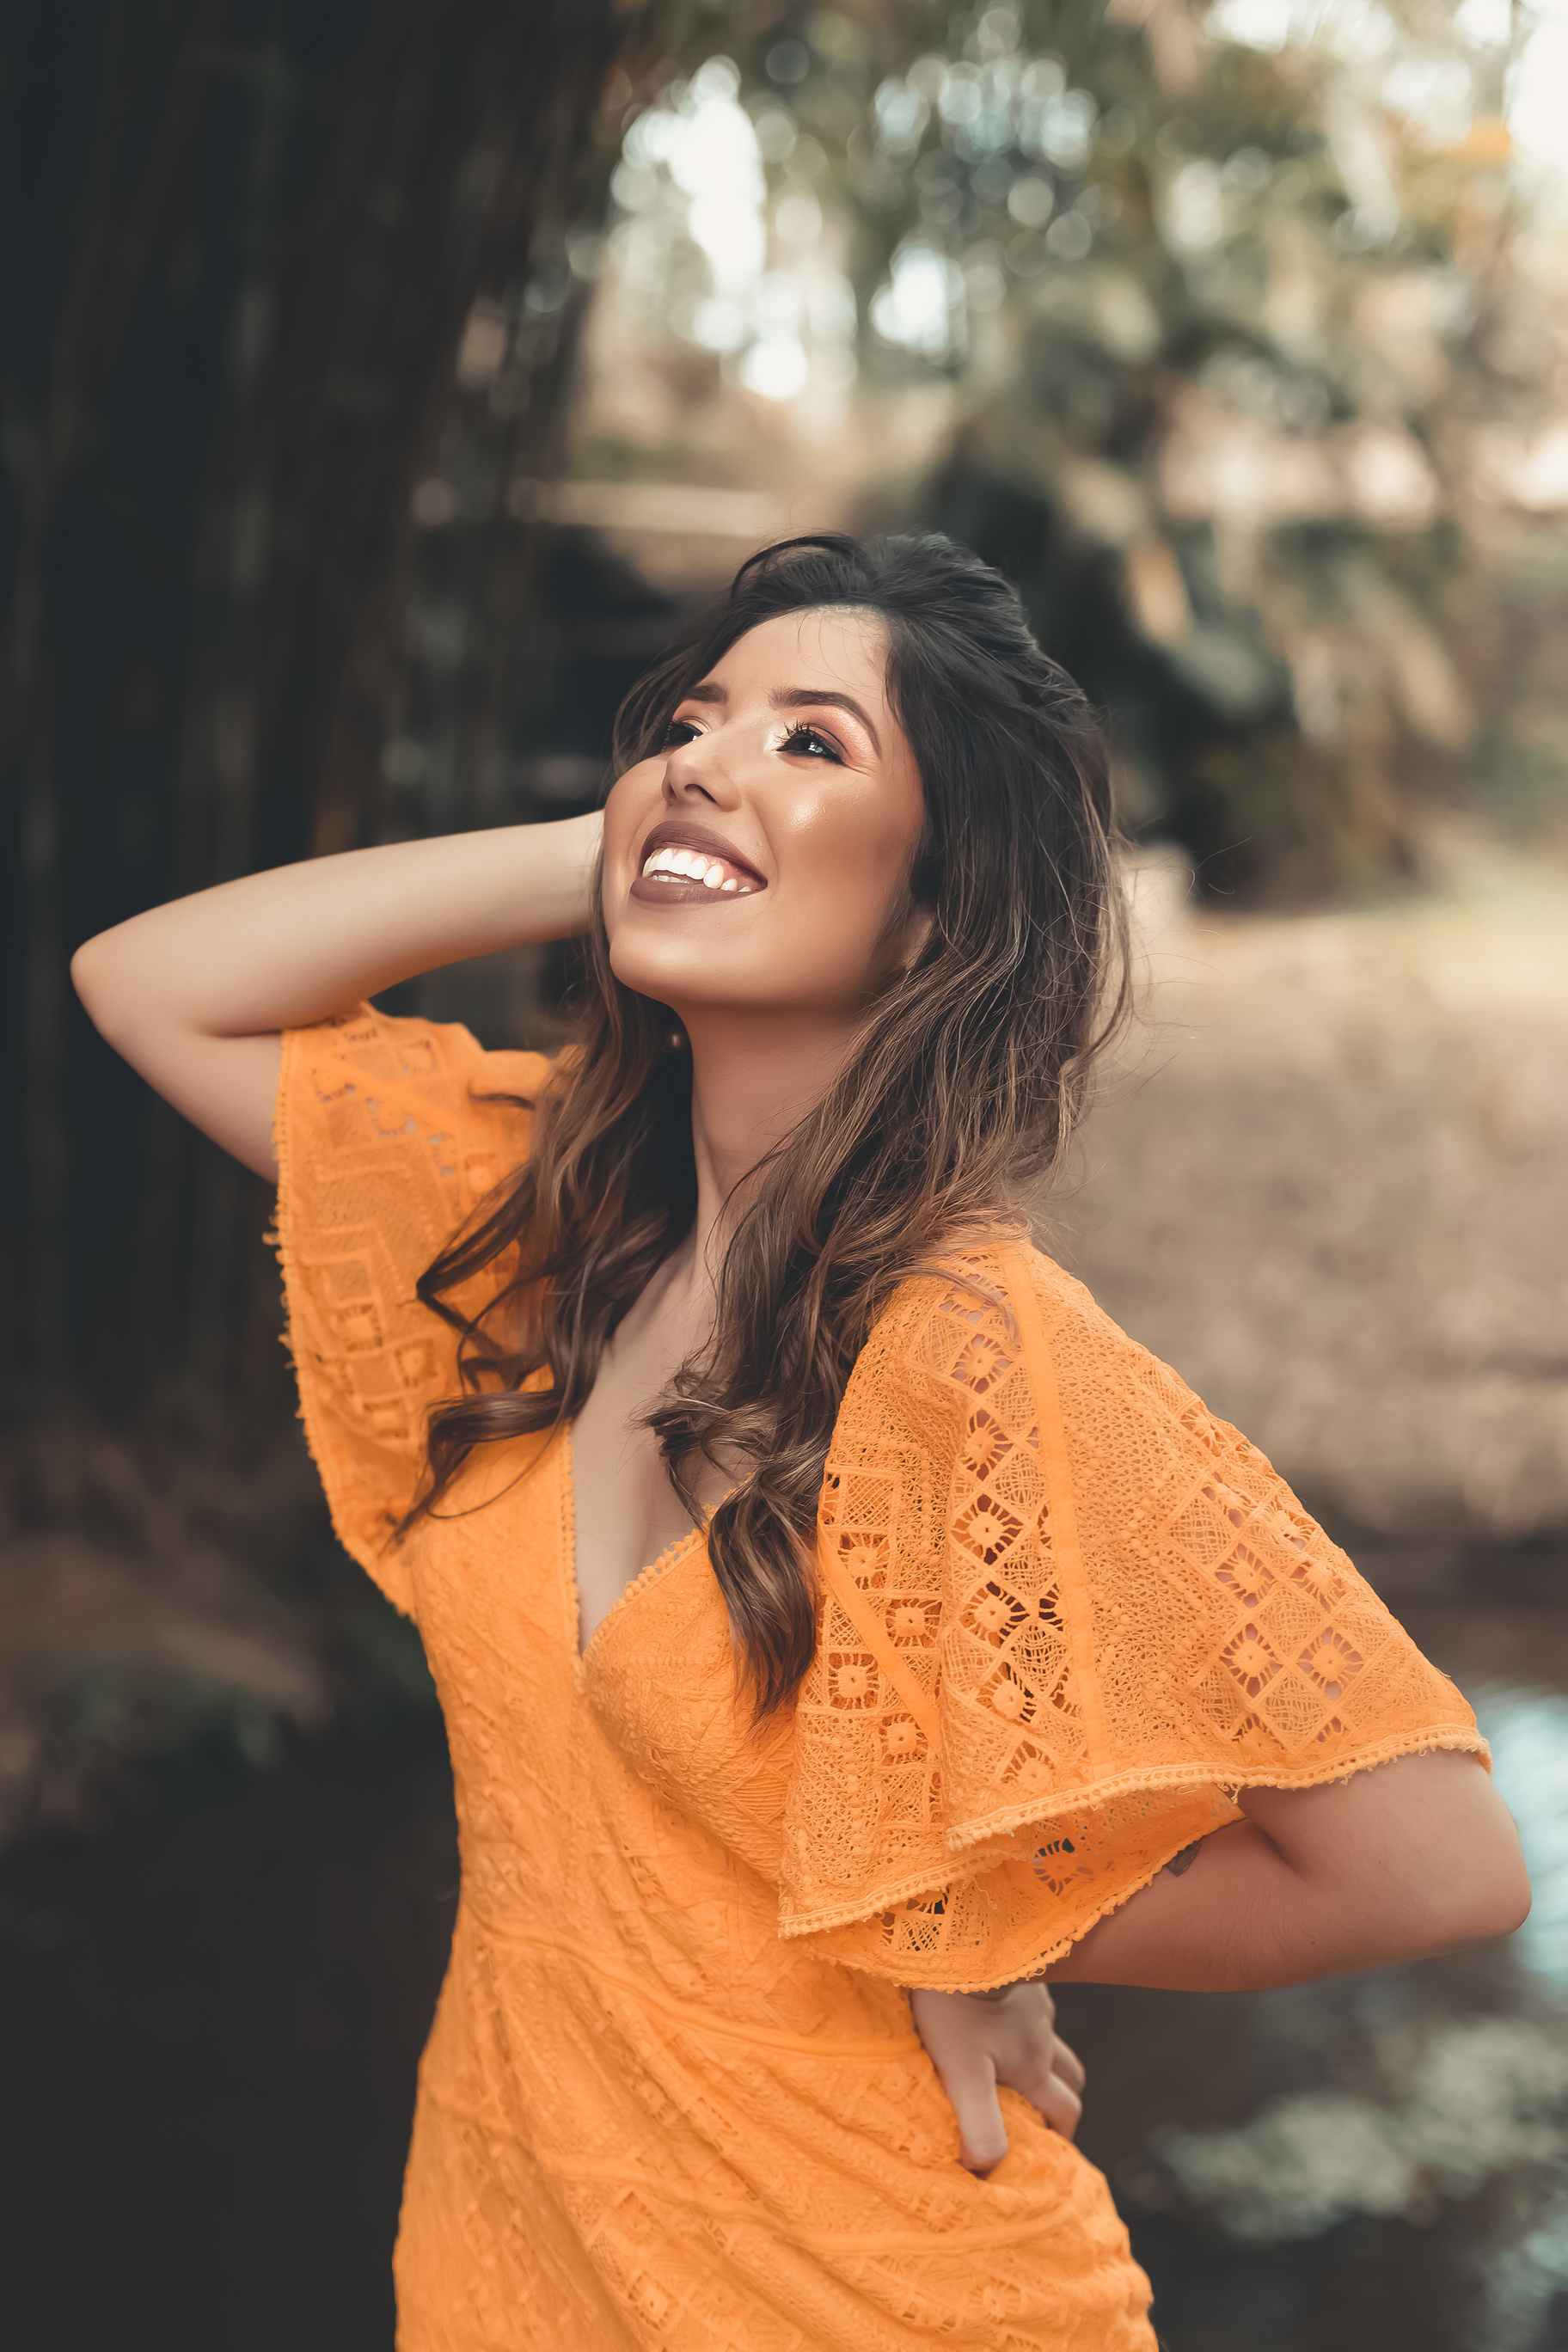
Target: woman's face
{"type": "Point", "coordinates": [759, 858]}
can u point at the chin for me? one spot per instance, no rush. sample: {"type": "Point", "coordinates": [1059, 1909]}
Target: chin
{"type": "Point", "coordinates": [687, 984]}
{"type": "Point", "coordinates": [676, 970]}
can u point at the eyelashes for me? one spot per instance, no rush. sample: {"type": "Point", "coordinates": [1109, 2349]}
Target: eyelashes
{"type": "Point", "coordinates": [804, 742]}
{"type": "Point", "coordinates": [799, 737]}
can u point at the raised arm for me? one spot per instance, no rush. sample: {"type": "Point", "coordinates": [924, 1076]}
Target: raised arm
{"type": "Point", "coordinates": [196, 994]}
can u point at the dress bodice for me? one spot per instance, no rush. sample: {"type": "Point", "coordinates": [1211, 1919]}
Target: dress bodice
{"type": "Point", "coordinates": [672, 2098]}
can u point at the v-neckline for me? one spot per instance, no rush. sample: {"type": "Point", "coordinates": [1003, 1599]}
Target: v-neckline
{"type": "Point", "coordinates": [635, 1584]}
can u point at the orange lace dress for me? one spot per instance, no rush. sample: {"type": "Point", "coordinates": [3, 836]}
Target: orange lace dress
{"type": "Point", "coordinates": [671, 2097]}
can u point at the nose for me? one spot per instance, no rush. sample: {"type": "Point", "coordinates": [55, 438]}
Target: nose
{"type": "Point", "coordinates": [699, 771]}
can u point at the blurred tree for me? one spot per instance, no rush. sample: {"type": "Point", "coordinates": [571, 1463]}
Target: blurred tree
{"type": "Point", "coordinates": [241, 245]}
{"type": "Point", "coordinates": [1221, 294]}
{"type": "Point", "coordinates": [290, 301]}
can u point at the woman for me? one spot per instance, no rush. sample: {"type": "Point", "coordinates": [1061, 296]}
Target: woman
{"type": "Point", "coordinates": [840, 1625]}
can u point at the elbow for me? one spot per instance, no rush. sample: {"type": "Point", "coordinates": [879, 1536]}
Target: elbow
{"type": "Point", "coordinates": [1489, 1895]}
{"type": "Point", "coordinates": [1509, 1903]}
{"type": "Point", "coordinates": [90, 969]}
{"type": "Point", "coordinates": [1496, 1868]}
{"type": "Point", "coordinates": [105, 989]}
{"type": "Point", "coordinates": [1471, 1862]}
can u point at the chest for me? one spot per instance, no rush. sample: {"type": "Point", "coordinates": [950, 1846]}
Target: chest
{"type": "Point", "coordinates": [558, 1756]}
{"type": "Point", "coordinates": [627, 1512]}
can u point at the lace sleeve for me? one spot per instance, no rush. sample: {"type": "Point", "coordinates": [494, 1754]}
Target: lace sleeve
{"type": "Point", "coordinates": [1065, 1615]}
{"type": "Point", "coordinates": [383, 1150]}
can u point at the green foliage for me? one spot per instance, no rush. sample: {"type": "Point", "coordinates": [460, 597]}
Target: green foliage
{"type": "Point", "coordinates": [1219, 325]}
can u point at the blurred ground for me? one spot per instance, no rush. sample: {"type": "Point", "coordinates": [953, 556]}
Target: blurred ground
{"type": "Point", "coordinates": [209, 2025]}
{"type": "Point", "coordinates": [172, 1601]}
{"type": "Point", "coordinates": [1326, 1183]}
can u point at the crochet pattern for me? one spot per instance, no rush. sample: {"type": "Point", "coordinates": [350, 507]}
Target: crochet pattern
{"type": "Point", "coordinates": [671, 2100]}
{"type": "Point", "coordinates": [1065, 1613]}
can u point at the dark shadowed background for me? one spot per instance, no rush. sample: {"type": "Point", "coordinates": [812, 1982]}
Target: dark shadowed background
{"type": "Point", "coordinates": [384, 384]}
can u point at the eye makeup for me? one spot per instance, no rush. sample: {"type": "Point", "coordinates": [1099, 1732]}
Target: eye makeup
{"type": "Point", "coordinates": [807, 742]}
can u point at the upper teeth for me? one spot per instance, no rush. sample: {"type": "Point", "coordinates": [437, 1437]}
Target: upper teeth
{"type": "Point", "coordinates": [690, 865]}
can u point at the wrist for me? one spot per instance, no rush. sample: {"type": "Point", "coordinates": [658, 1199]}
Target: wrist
{"type": "Point", "coordinates": [582, 838]}
{"type": "Point", "coordinates": [539, 880]}
{"type": "Point", "coordinates": [1015, 1984]}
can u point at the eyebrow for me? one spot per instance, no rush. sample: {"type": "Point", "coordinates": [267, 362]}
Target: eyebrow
{"type": "Point", "coordinates": [795, 697]}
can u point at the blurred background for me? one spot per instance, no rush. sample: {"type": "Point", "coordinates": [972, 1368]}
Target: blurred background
{"type": "Point", "coordinates": [384, 383]}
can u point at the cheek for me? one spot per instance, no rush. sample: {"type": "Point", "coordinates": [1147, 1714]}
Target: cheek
{"type": "Point", "coordinates": [629, 810]}
{"type": "Point", "coordinates": [852, 863]}
{"type": "Point", "coordinates": [630, 800]}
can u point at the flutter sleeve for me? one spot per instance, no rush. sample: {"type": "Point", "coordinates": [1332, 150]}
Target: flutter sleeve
{"type": "Point", "coordinates": [385, 1147]}
{"type": "Point", "coordinates": [1065, 1615]}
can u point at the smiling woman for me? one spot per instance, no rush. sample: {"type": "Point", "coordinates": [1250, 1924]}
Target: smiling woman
{"type": "Point", "coordinates": [839, 833]}
{"type": "Point", "coordinates": [839, 1624]}
{"type": "Point", "coordinates": [882, 1048]}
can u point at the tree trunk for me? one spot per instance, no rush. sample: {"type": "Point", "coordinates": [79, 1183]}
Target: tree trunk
{"type": "Point", "coordinates": [238, 243]}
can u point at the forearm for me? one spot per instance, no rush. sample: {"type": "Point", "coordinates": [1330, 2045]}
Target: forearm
{"type": "Point", "coordinates": [279, 949]}
{"type": "Point", "coordinates": [1400, 1861]}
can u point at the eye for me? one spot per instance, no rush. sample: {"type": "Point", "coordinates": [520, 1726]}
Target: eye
{"type": "Point", "coordinates": [679, 731]}
{"type": "Point", "coordinates": [811, 743]}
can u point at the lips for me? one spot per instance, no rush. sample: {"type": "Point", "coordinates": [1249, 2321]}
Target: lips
{"type": "Point", "coordinates": [684, 864]}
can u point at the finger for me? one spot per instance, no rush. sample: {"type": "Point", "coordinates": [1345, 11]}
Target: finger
{"type": "Point", "coordinates": [972, 2094]}
{"type": "Point", "coordinates": [1057, 2102]}
{"type": "Point", "coordinates": [1070, 2066]}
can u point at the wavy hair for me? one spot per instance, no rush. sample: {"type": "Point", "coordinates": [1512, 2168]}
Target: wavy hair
{"type": "Point", "coordinates": [950, 1113]}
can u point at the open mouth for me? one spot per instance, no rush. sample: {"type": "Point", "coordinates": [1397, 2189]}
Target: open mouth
{"type": "Point", "coordinates": [687, 864]}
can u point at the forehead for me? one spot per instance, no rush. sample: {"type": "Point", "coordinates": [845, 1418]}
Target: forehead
{"type": "Point", "coordinates": [830, 646]}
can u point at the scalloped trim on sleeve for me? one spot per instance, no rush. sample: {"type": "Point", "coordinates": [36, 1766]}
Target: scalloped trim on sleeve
{"type": "Point", "coordinates": [1065, 1614]}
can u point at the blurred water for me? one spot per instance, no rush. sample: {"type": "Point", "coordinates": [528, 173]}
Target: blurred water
{"type": "Point", "coordinates": [1528, 1729]}
{"type": "Point", "coordinates": [1388, 2164]}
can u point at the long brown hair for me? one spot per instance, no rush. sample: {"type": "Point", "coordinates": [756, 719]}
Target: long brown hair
{"type": "Point", "coordinates": [951, 1111]}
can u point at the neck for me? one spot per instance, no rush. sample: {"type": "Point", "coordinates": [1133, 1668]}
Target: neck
{"type": "Point", "coordinates": [753, 1078]}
